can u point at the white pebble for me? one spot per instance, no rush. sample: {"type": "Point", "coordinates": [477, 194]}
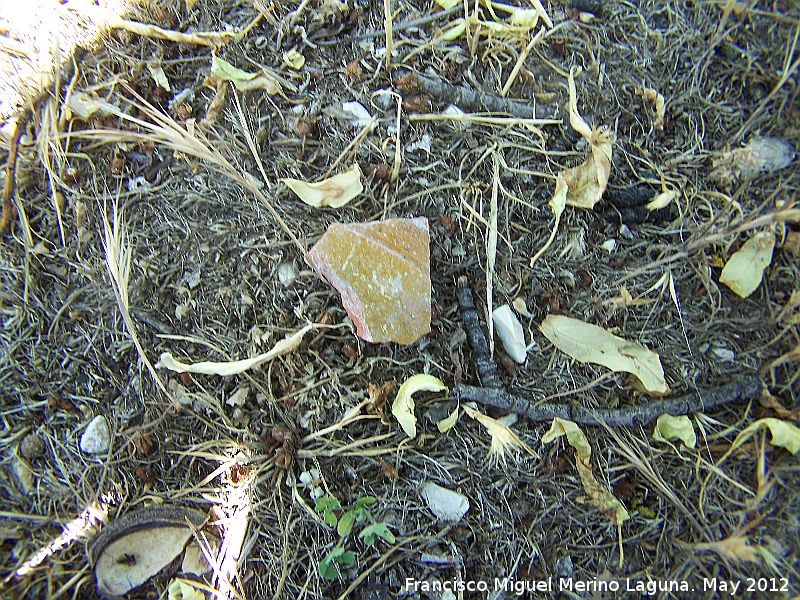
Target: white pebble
{"type": "Point", "coordinates": [287, 273]}
{"type": "Point", "coordinates": [96, 438]}
{"type": "Point", "coordinates": [510, 332]}
{"type": "Point", "coordinates": [445, 504]}
{"type": "Point", "coordinates": [609, 245]}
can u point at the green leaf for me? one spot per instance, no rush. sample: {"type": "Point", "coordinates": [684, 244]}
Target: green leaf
{"type": "Point", "coordinates": [327, 570]}
{"type": "Point", "coordinates": [377, 529]}
{"type": "Point", "coordinates": [327, 501]}
{"type": "Point", "coordinates": [346, 523]}
{"type": "Point", "coordinates": [326, 505]}
{"type": "Point", "coordinates": [365, 501]}
{"type": "Point", "coordinates": [347, 558]}
{"type": "Point", "coordinates": [329, 517]}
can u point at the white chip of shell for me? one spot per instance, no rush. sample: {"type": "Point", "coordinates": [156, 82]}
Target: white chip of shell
{"type": "Point", "coordinates": [509, 330]}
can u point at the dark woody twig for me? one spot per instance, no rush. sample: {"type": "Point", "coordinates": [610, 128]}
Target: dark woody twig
{"type": "Point", "coordinates": [472, 100]}
{"type": "Point", "coordinates": [493, 394]}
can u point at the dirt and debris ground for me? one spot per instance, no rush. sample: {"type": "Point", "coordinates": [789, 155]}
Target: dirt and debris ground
{"type": "Point", "coordinates": [204, 285]}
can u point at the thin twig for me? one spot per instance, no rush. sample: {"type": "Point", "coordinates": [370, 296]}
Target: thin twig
{"type": "Point", "coordinates": [493, 394]}
{"type": "Point", "coordinates": [468, 99]}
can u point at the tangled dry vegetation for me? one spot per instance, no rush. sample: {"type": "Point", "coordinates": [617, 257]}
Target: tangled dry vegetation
{"type": "Point", "coordinates": [156, 223]}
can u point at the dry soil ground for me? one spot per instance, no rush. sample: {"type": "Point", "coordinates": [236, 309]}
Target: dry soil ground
{"type": "Point", "coordinates": [207, 255]}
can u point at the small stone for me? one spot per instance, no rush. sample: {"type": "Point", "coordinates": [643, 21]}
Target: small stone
{"type": "Point", "coordinates": [382, 271]}
{"type": "Point", "coordinates": [287, 274]}
{"type": "Point", "coordinates": [31, 446]}
{"type": "Point", "coordinates": [509, 330]}
{"type": "Point", "coordinates": [95, 438]}
{"type": "Point", "coordinates": [446, 504]}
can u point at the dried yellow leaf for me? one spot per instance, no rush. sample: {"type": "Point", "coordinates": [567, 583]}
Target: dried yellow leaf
{"type": "Point", "coordinates": [589, 343]}
{"type": "Point", "coordinates": [663, 200]}
{"type": "Point", "coordinates": [587, 182]}
{"type": "Point", "coordinates": [745, 269]}
{"type": "Point", "coordinates": [669, 428]}
{"type": "Point", "coordinates": [596, 494]}
{"type": "Point", "coordinates": [448, 422]}
{"type": "Point", "coordinates": [658, 102]}
{"type": "Point", "coordinates": [335, 191]}
{"type": "Point", "coordinates": [403, 405]}
{"type": "Point", "coordinates": [182, 589]}
{"type": "Point", "coordinates": [157, 72]}
{"type": "Point", "coordinates": [784, 434]}
{"type": "Point", "coordinates": [294, 60]}
{"type": "Point", "coordinates": [222, 70]}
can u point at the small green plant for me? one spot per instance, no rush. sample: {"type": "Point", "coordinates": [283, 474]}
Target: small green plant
{"type": "Point", "coordinates": [355, 515]}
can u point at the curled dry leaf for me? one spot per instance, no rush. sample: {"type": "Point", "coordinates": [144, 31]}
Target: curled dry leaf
{"type": "Point", "coordinates": [222, 70]}
{"type": "Point", "coordinates": [183, 589]}
{"type": "Point", "coordinates": [784, 434]}
{"type": "Point", "coordinates": [83, 105]}
{"type": "Point", "coordinates": [597, 494]}
{"type": "Point", "coordinates": [225, 369]}
{"type": "Point", "coordinates": [737, 548]}
{"type": "Point", "coordinates": [589, 343]}
{"type": "Point", "coordinates": [524, 17]}
{"type": "Point", "coordinates": [335, 191]}
{"type": "Point", "coordinates": [503, 439]}
{"type": "Point", "coordinates": [293, 59]}
{"type": "Point", "coordinates": [587, 182]}
{"type": "Point", "coordinates": [403, 406]}
{"type": "Point", "coordinates": [745, 269]}
{"type": "Point", "coordinates": [158, 75]}
{"type": "Point", "coordinates": [662, 200]}
{"type": "Point", "coordinates": [448, 422]}
{"type": "Point", "coordinates": [669, 428]}
{"type": "Point", "coordinates": [659, 104]}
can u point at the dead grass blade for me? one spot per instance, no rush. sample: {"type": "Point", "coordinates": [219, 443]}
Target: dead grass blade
{"type": "Point", "coordinates": [736, 548]}
{"type": "Point", "coordinates": [164, 130]}
{"type": "Point", "coordinates": [118, 264]}
{"type": "Point", "coordinates": [631, 450]}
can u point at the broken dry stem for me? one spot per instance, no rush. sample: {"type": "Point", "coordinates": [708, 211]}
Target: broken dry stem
{"type": "Point", "coordinates": [202, 38]}
{"type": "Point", "coordinates": [521, 61]}
{"type": "Point", "coordinates": [468, 99]}
{"type": "Point", "coordinates": [351, 146]}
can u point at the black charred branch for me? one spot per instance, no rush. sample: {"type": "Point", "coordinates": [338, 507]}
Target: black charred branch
{"type": "Point", "coordinates": [700, 401]}
{"type": "Point", "coordinates": [492, 393]}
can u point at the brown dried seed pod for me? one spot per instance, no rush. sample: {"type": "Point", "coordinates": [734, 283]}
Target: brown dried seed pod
{"type": "Point", "coordinates": [280, 433]}
{"type": "Point", "coordinates": [31, 446]}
